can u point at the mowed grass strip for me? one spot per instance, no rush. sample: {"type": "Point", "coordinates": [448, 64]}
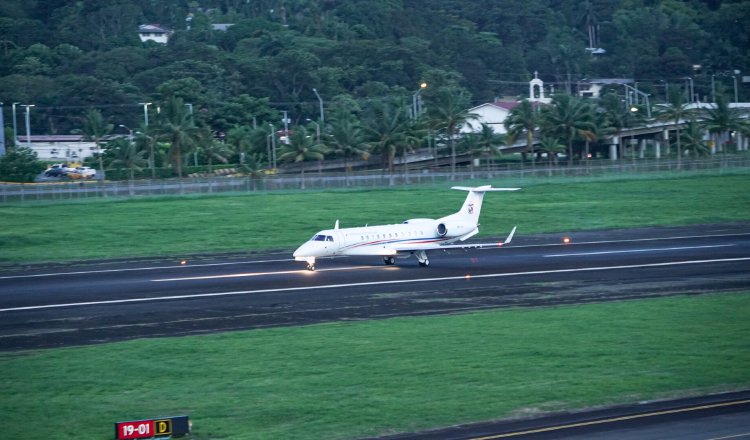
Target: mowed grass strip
{"type": "Point", "coordinates": [348, 380]}
{"type": "Point", "coordinates": [203, 224]}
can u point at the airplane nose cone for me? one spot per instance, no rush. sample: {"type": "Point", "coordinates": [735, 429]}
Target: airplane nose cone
{"type": "Point", "coordinates": [306, 250]}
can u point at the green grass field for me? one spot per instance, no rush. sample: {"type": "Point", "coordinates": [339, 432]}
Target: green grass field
{"type": "Point", "coordinates": [348, 380]}
{"type": "Point", "coordinates": [203, 224]}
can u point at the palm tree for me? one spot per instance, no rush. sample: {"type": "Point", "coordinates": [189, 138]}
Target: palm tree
{"type": "Point", "coordinates": [213, 148]}
{"type": "Point", "coordinates": [489, 142]}
{"type": "Point", "coordinates": [676, 111]}
{"type": "Point", "coordinates": [720, 119]}
{"type": "Point", "coordinates": [347, 138]}
{"type": "Point", "coordinates": [695, 143]}
{"type": "Point", "coordinates": [176, 127]}
{"type": "Point", "coordinates": [523, 118]}
{"type": "Point", "coordinates": [387, 127]}
{"type": "Point", "coordinates": [95, 128]}
{"type": "Point", "coordinates": [447, 110]}
{"type": "Point", "coordinates": [301, 148]}
{"type": "Point", "coordinates": [125, 154]}
{"type": "Point", "coordinates": [145, 140]}
{"type": "Point", "coordinates": [253, 167]}
{"type": "Point", "coordinates": [568, 118]}
{"type": "Point", "coordinates": [551, 146]}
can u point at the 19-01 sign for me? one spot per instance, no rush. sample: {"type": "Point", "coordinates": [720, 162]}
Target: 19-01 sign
{"type": "Point", "coordinates": [171, 426]}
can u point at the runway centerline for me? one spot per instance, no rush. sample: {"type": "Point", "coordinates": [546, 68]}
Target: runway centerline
{"type": "Point", "coordinates": [631, 251]}
{"type": "Point", "coordinates": [258, 274]}
{"type": "Point", "coordinates": [364, 284]}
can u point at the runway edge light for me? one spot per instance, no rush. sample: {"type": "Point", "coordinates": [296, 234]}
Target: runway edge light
{"type": "Point", "coordinates": [176, 426]}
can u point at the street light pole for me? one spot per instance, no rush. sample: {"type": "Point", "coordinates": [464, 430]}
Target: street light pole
{"type": "Point", "coordinates": [317, 128]}
{"type": "Point", "coordinates": [28, 129]}
{"type": "Point", "coordinates": [414, 99]}
{"type": "Point", "coordinates": [145, 112]}
{"type": "Point", "coordinates": [273, 146]}
{"type": "Point", "coordinates": [320, 101]}
{"type": "Point", "coordinates": [2, 131]}
{"type": "Point", "coordinates": [690, 89]}
{"type": "Point", "coordinates": [637, 92]}
{"type": "Point", "coordinates": [15, 130]}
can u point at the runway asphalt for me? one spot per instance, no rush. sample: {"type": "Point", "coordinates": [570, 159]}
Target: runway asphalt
{"type": "Point", "coordinates": [93, 302]}
{"type": "Point", "coordinates": [55, 305]}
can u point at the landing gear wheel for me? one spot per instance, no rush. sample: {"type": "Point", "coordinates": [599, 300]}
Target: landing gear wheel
{"type": "Point", "coordinates": [422, 258]}
{"type": "Point", "coordinates": [311, 267]}
{"type": "Point", "coordinates": [389, 261]}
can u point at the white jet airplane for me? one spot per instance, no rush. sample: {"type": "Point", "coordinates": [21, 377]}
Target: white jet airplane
{"type": "Point", "coordinates": [414, 237]}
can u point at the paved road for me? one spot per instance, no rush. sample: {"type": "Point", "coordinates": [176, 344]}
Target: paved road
{"type": "Point", "coordinates": [57, 305]}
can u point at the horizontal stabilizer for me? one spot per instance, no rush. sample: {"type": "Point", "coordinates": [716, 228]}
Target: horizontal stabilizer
{"type": "Point", "coordinates": [483, 188]}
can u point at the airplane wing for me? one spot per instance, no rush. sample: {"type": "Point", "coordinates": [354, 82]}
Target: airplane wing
{"type": "Point", "coordinates": [479, 245]}
{"type": "Point", "coordinates": [434, 244]}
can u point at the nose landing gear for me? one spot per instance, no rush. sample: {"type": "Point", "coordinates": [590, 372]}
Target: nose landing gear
{"type": "Point", "coordinates": [310, 263]}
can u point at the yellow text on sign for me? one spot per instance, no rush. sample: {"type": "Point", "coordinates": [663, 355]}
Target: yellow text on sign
{"type": "Point", "coordinates": [162, 427]}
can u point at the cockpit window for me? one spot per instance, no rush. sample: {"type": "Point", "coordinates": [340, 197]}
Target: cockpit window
{"type": "Point", "coordinates": [321, 237]}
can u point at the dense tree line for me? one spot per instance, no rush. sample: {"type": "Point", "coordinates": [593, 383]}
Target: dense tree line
{"type": "Point", "coordinates": [364, 58]}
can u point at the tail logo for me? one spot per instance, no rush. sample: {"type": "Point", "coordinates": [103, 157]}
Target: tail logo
{"type": "Point", "coordinates": [471, 208]}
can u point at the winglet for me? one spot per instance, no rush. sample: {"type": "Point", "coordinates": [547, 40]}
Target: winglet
{"type": "Point", "coordinates": [336, 226]}
{"type": "Point", "coordinates": [510, 237]}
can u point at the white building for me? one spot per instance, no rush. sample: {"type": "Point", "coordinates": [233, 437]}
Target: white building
{"type": "Point", "coordinates": [492, 114]}
{"type": "Point", "coordinates": [62, 147]}
{"type": "Point", "coordinates": [154, 32]}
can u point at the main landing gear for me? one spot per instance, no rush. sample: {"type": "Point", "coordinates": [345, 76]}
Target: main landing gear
{"type": "Point", "coordinates": [422, 258]}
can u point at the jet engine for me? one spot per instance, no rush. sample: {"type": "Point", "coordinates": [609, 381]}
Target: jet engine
{"type": "Point", "coordinates": [453, 229]}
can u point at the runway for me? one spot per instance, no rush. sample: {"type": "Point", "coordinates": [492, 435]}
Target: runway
{"type": "Point", "coordinates": [55, 305]}
{"type": "Point", "coordinates": [73, 304]}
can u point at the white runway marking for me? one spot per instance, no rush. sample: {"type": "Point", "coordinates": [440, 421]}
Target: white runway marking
{"type": "Point", "coordinates": [257, 274]}
{"type": "Point", "coordinates": [374, 283]}
{"type": "Point", "coordinates": [629, 251]}
{"type": "Point", "coordinates": [136, 269]}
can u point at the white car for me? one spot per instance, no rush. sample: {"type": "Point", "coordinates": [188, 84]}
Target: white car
{"type": "Point", "coordinates": [83, 173]}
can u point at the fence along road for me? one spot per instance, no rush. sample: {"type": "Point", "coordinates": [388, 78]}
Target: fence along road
{"type": "Point", "coordinates": [15, 192]}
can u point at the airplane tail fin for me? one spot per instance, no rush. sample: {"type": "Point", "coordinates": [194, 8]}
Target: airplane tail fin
{"type": "Point", "coordinates": [473, 204]}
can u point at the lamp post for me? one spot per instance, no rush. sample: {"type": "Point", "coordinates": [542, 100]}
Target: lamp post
{"type": "Point", "coordinates": [415, 108]}
{"type": "Point", "coordinates": [273, 146]}
{"type": "Point", "coordinates": [317, 128]}
{"type": "Point", "coordinates": [15, 130]}
{"type": "Point", "coordinates": [636, 93]}
{"type": "Point", "coordinates": [690, 89]}
{"type": "Point", "coordinates": [130, 132]}
{"type": "Point", "coordinates": [415, 102]}
{"type": "Point", "coordinates": [145, 111]}
{"type": "Point", "coordinates": [28, 129]}
{"type": "Point", "coordinates": [2, 131]}
{"type": "Point", "coordinates": [734, 77]}
{"type": "Point", "coordinates": [320, 101]}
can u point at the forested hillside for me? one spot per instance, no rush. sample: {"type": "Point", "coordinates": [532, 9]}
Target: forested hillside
{"type": "Point", "coordinates": [67, 56]}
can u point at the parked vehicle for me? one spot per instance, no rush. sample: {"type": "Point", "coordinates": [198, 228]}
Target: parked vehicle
{"type": "Point", "coordinates": [54, 172]}
{"type": "Point", "coordinates": [82, 173]}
